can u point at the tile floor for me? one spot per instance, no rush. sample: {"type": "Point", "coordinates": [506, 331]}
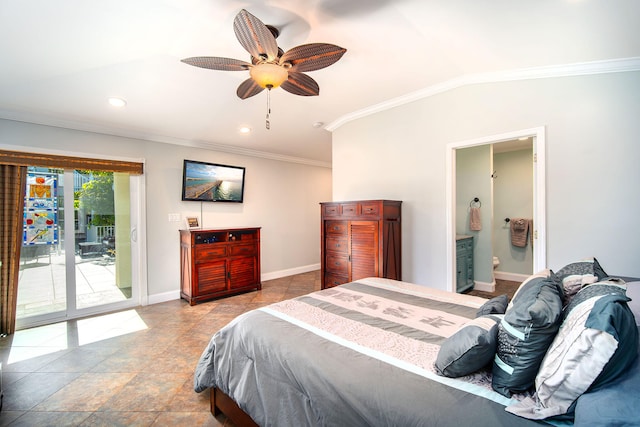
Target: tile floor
{"type": "Point", "coordinates": [130, 368]}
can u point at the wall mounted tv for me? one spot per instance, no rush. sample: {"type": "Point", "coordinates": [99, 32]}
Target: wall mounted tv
{"type": "Point", "coordinates": [211, 182]}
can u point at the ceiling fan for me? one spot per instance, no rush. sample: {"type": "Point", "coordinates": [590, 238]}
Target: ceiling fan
{"type": "Point", "coordinates": [270, 66]}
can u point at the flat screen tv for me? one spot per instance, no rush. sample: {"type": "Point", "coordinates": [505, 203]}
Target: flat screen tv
{"type": "Point", "coordinates": [211, 182]}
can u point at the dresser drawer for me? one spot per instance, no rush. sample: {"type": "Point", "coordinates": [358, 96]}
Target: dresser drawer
{"type": "Point", "coordinates": [337, 263]}
{"type": "Point", "coordinates": [242, 249]}
{"type": "Point", "coordinates": [331, 210]}
{"type": "Point", "coordinates": [205, 253]}
{"type": "Point", "coordinates": [336, 227]}
{"type": "Point", "coordinates": [336, 244]}
{"type": "Point", "coordinates": [331, 280]}
{"type": "Point", "coordinates": [349, 209]}
{"type": "Point", "coordinates": [370, 209]}
{"type": "Point", "coordinates": [464, 245]}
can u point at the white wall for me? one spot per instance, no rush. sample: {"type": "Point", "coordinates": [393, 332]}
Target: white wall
{"type": "Point", "coordinates": [592, 151]}
{"type": "Point", "coordinates": [281, 197]}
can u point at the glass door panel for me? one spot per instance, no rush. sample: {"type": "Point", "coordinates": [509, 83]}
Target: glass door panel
{"type": "Point", "coordinates": [42, 278]}
{"type": "Point", "coordinates": [103, 264]}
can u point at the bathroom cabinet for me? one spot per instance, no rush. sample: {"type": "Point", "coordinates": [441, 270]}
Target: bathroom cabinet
{"type": "Point", "coordinates": [464, 263]}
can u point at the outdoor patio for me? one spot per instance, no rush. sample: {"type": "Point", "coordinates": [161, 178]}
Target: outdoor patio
{"type": "Point", "coordinates": [42, 283]}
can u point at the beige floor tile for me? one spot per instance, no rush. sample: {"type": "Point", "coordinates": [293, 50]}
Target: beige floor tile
{"type": "Point", "coordinates": [34, 388]}
{"type": "Point", "coordinates": [120, 419]}
{"type": "Point", "coordinates": [186, 419]}
{"type": "Point", "coordinates": [147, 392]}
{"type": "Point", "coordinates": [188, 400]}
{"type": "Point", "coordinates": [50, 419]}
{"type": "Point", "coordinates": [89, 392]}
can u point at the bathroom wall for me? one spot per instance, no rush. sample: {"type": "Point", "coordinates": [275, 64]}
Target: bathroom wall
{"type": "Point", "coordinates": [473, 171]}
{"type": "Point", "coordinates": [513, 198]}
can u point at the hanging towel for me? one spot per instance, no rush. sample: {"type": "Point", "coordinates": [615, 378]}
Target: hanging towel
{"type": "Point", "coordinates": [475, 223]}
{"type": "Point", "coordinates": [519, 232]}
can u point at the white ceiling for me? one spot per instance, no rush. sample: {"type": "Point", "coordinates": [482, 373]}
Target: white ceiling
{"type": "Point", "coordinates": [61, 60]}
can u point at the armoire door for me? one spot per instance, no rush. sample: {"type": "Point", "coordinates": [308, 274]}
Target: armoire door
{"type": "Point", "coordinates": [364, 249]}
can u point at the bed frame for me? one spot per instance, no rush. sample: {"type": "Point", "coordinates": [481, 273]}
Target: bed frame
{"type": "Point", "coordinates": [221, 403]}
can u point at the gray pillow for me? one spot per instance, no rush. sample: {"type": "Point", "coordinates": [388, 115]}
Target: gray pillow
{"type": "Point", "coordinates": [496, 305]}
{"type": "Point", "coordinates": [581, 268]}
{"type": "Point", "coordinates": [525, 333]}
{"type": "Point", "coordinates": [471, 348]}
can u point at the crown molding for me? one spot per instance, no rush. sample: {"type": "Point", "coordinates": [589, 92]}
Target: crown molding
{"type": "Point", "coordinates": [46, 120]}
{"type": "Point", "coordinates": [576, 69]}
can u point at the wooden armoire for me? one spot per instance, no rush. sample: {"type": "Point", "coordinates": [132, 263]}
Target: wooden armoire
{"type": "Point", "coordinates": [360, 239]}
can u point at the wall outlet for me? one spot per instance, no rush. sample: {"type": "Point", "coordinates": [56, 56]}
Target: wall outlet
{"type": "Point", "coordinates": [174, 217]}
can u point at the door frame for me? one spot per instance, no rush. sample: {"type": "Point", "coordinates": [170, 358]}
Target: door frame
{"type": "Point", "coordinates": [539, 195]}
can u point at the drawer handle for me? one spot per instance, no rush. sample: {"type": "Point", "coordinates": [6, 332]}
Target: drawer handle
{"type": "Point", "coordinates": [337, 263]}
{"type": "Point", "coordinates": [337, 245]}
{"type": "Point", "coordinates": [336, 228]}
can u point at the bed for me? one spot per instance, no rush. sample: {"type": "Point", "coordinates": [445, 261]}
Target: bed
{"type": "Point", "coordinates": [365, 353]}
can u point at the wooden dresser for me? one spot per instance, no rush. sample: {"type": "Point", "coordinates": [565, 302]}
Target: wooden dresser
{"type": "Point", "coordinates": [218, 262]}
{"type": "Point", "coordinates": [360, 239]}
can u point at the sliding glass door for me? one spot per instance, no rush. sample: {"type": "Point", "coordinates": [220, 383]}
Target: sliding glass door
{"type": "Point", "coordinates": [78, 245]}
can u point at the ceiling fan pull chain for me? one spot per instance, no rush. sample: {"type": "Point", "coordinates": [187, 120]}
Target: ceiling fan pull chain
{"type": "Point", "coordinates": [268, 124]}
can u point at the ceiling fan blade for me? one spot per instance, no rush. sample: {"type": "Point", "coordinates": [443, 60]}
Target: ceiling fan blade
{"type": "Point", "coordinates": [248, 88]}
{"type": "Point", "coordinates": [301, 84]}
{"type": "Point", "coordinates": [216, 63]}
{"type": "Point", "coordinates": [313, 56]}
{"type": "Point", "coordinates": [254, 36]}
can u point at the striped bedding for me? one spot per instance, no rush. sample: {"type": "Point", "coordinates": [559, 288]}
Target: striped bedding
{"type": "Point", "coordinates": [360, 354]}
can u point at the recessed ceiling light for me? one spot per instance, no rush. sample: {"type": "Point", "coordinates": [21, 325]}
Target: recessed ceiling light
{"type": "Point", "coordinates": [245, 130]}
{"type": "Point", "coordinates": [117, 102]}
{"type": "Point", "coordinates": [318, 125]}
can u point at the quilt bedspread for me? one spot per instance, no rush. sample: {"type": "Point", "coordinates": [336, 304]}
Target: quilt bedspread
{"type": "Point", "coordinates": [358, 354]}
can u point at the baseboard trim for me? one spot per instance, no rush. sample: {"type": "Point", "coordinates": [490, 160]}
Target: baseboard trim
{"type": "Point", "coordinates": [290, 272]}
{"type": "Point", "coordinates": [513, 277]}
{"type": "Point", "coordinates": [163, 297]}
{"type": "Point", "coordinates": [174, 295]}
{"type": "Point", "coordinates": [484, 286]}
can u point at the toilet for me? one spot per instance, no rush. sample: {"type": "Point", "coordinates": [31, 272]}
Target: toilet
{"type": "Point", "coordinates": [496, 262]}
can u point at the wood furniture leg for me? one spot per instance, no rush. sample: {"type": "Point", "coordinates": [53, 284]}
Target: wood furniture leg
{"type": "Point", "coordinates": [221, 403]}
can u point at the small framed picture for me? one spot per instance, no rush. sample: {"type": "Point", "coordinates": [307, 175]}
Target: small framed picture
{"type": "Point", "coordinates": [192, 222]}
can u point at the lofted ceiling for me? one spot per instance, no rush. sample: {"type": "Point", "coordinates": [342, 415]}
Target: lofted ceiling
{"type": "Point", "coordinates": [60, 60]}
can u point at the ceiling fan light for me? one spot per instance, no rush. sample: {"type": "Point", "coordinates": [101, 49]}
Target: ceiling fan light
{"type": "Point", "coordinates": [268, 76]}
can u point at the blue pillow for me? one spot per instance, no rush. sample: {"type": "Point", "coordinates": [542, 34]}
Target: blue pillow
{"type": "Point", "coordinates": [524, 334]}
{"type": "Point", "coordinates": [613, 405]}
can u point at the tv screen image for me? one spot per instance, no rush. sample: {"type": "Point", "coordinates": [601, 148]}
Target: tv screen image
{"type": "Point", "coordinates": [211, 182]}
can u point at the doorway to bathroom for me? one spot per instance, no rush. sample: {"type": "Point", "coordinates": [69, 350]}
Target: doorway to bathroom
{"type": "Point", "coordinates": [473, 173]}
